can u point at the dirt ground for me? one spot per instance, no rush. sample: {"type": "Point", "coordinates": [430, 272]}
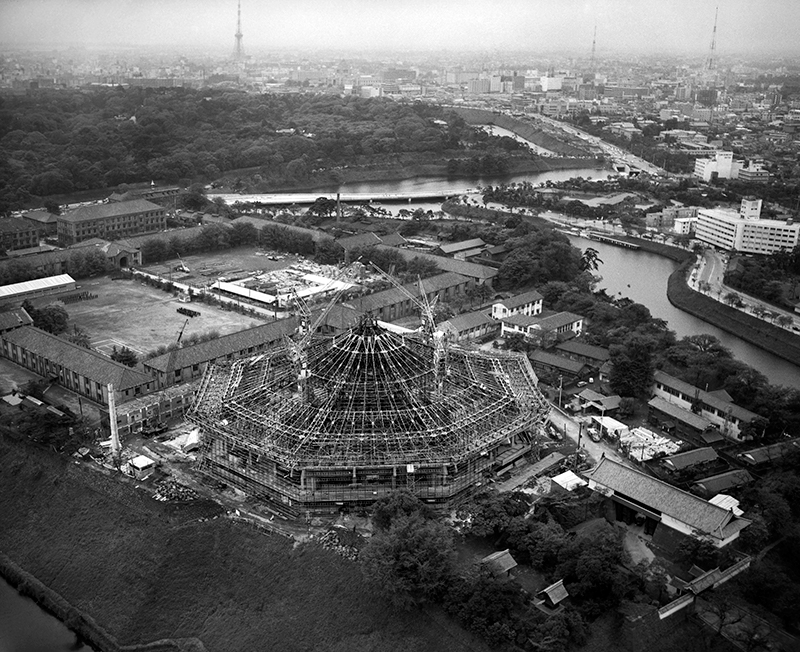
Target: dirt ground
{"type": "Point", "coordinates": [205, 268]}
{"type": "Point", "coordinates": [132, 314]}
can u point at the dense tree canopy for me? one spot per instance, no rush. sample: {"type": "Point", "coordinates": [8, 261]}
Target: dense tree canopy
{"type": "Point", "coordinates": [57, 142]}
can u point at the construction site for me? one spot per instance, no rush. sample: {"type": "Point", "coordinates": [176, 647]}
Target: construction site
{"type": "Point", "coordinates": [323, 423]}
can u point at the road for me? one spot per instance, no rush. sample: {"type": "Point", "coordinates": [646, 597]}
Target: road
{"type": "Point", "coordinates": [611, 150]}
{"type": "Point", "coordinates": [710, 270]}
{"type": "Point", "coordinates": [573, 428]}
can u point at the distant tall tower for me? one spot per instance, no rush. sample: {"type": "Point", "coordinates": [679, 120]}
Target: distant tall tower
{"type": "Point", "coordinates": [594, 47]}
{"type": "Point", "coordinates": [711, 62]}
{"type": "Point", "coordinates": [237, 52]}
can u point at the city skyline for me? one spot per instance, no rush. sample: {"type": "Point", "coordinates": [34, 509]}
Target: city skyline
{"type": "Point", "coordinates": [675, 27]}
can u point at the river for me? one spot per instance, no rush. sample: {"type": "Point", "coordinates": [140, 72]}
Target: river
{"type": "Point", "coordinates": [439, 185]}
{"type": "Point", "coordinates": [24, 627]}
{"type": "Point", "coordinates": [642, 277]}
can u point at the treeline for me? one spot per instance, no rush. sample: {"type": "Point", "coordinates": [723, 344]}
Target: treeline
{"type": "Point", "coordinates": [411, 559]}
{"type": "Point", "coordinates": [526, 195]}
{"type": "Point", "coordinates": [59, 142]}
{"type": "Point", "coordinates": [489, 165]}
{"type": "Point", "coordinates": [765, 277]}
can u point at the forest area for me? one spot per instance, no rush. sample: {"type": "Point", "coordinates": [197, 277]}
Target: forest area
{"type": "Point", "coordinates": [60, 142]}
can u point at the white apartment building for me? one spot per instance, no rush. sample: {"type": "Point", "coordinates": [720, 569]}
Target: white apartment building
{"type": "Point", "coordinates": [745, 231]}
{"type": "Point", "coordinates": [722, 164]}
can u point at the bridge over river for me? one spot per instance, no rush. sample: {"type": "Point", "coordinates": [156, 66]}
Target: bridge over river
{"type": "Point", "coordinates": [288, 198]}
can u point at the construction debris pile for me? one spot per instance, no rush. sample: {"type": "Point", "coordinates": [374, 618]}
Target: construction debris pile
{"type": "Point", "coordinates": [330, 541]}
{"type": "Point", "coordinates": [171, 490]}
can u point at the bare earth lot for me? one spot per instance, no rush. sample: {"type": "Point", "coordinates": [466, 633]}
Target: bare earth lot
{"type": "Point", "coordinates": [206, 267]}
{"type": "Point", "coordinates": [129, 313]}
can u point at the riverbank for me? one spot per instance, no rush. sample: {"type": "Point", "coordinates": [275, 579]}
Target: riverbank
{"type": "Point", "coordinates": [328, 180]}
{"type": "Point", "coordinates": [757, 332]}
{"type": "Point", "coordinates": [523, 129]}
{"type": "Point", "coordinates": [86, 629]}
{"type": "Point", "coordinates": [332, 179]}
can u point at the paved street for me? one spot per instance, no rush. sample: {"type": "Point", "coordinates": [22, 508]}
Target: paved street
{"type": "Point", "coordinates": [711, 270]}
{"type": "Point", "coordinates": [571, 426]}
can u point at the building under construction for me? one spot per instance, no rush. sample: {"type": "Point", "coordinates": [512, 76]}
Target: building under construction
{"type": "Point", "coordinates": [326, 422]}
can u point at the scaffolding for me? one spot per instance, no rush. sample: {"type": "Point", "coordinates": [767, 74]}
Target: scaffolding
{"type": "Point", "coordinates": [374, 411]}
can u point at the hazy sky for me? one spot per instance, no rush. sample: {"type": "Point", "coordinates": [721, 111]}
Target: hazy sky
{"type": "Point", "coordinates": [646, 26]}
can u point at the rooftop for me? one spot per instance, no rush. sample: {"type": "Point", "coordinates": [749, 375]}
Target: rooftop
{"type": "Point", "coordinates": [680, 414]}
{"type": "Point", "coordinates": [715, 484]}
{"type": "Point", "coordinates": [557, 361]}
{"type": "Point", "coordinates": [472, 270]}
{"type": "Point", "coordinates": [7, 291]}
{"type": "Point", "coordinates": [684, 507]}
{"type": "Point", "coordinates": [453, 247]}
{"type": "Point", "coordinates": [690, 458]}
{"type": "Point", "coordinates": [100, 211]}
{"type": "Point", "coordinates": [223, 346]}
{"type": "Point", "coordinates": [582, 349]}
{"type": "Point", "coordinates": [84, 362]}
{"type": "Point", "coordinates": [519, 300]}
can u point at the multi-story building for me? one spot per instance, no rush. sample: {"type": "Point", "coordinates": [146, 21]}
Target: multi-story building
{"type": "Point", "coordinates": [111, 221]}
{"type": "Point", "coordinates": [754, 172]}
{"type": "Point", "coordinates": [81, 370]}
{"type": "Point", "coordinates": [713, 406]}
{"type": "Point", "coordinates": [722, 166]}
{"type": "Point", "coordinates": [527, 303]}
{"type": "Point", "coordinates": [744, 231]}
{"type": "Point", "coordinates": [18, 233]}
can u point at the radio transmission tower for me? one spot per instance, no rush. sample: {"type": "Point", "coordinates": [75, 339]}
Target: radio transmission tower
{"type": "Point", "coordinates": [711, 63]}
{"type": "Point", "coordinates": [237, 52]}
{"type": "Point", "coordinates": [594, 47]}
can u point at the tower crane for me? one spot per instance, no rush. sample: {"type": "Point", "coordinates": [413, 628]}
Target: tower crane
{"type": "Point", "coordinates": [428, 328]}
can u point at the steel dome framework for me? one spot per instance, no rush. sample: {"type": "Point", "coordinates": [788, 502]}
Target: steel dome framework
{"type": "Point", "coordinates": [345, 419]}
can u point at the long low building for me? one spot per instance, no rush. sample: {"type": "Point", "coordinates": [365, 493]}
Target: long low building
{"type": "Point", "coordinates": [188, 363]}
{"type": "Point", "coordinates": [670, 514]}
{"type": "Point", "coordinates": [39, 287]}
{"type": "Point", "coordinates": [716, 408]}
{"type": "Point", "coordinates": [84, 371]}
{"type": "Point", "coordinates": [394, 303]}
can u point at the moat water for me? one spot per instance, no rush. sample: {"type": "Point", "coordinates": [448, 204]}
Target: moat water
{"type": "Point", "coordinates": [25, 627]}
{"type": "Point", "coordinates": [642, 277]}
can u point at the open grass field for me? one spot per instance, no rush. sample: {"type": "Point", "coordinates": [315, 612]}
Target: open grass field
{"type": "Point", "coordinates": [147, 570]}
{"type": "Point", "coordinates": [129, 313]}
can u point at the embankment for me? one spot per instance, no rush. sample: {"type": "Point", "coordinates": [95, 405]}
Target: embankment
{"type": "Point", "coordinates": [757, 332]}
{"type": "Point", "coordinates": [84, 626]}
{"type": "Point", "coordinates": [523, 129]}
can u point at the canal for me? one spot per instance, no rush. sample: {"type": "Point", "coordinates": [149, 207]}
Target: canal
{"type": "Point", "coordinates": [642, 277]}
{"type": "Point", "coordinates": [24, 627]}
